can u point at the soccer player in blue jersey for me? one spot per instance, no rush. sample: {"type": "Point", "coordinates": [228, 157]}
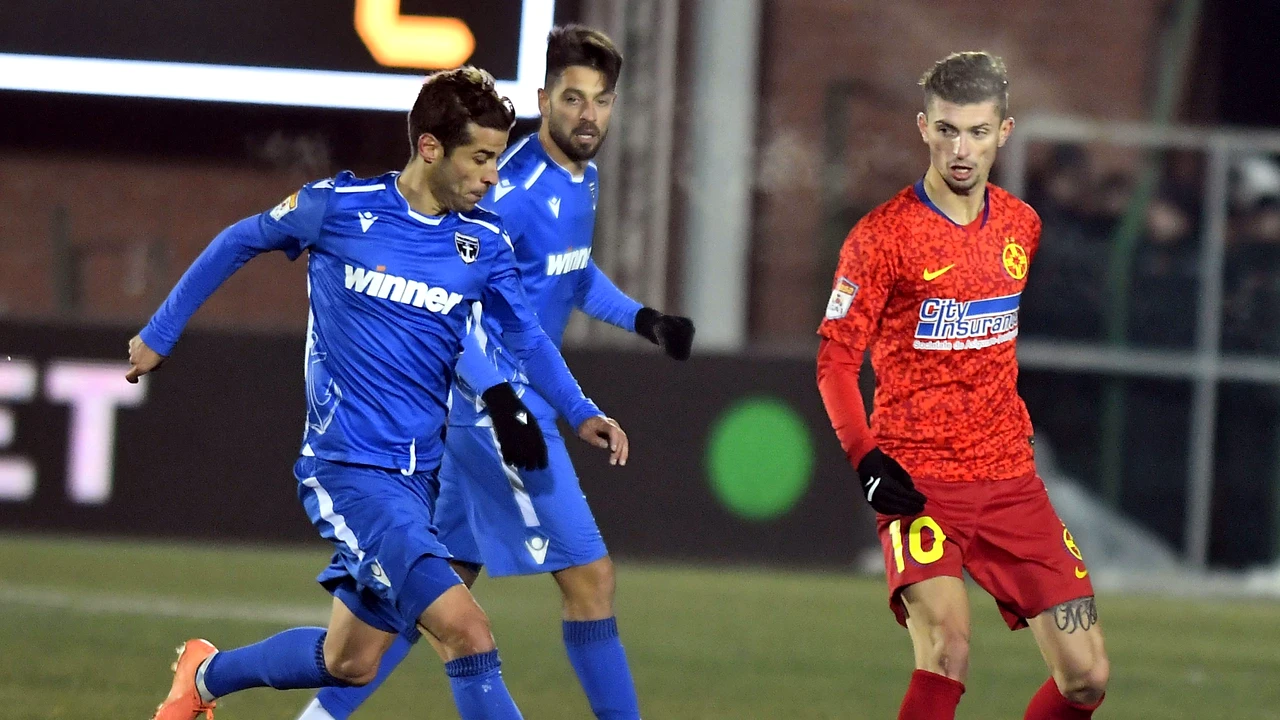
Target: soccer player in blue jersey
{"type": "Point", "coordinates": [395, 265]}
{"type": "Point", "coordinates": [518, 522]}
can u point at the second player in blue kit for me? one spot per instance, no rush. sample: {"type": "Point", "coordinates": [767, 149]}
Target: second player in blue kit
{"type": "Point", "coordinates": [491, 514]}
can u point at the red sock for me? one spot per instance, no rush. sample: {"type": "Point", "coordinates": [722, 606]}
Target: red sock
{"type": "Point", "coordinates": [1048, 704]}
{"type": "Point", "coordinates": [931, 697]}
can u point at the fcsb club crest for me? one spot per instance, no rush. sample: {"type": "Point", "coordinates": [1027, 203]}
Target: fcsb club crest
{"type": "Point", "coordinates": [468, 247]}
{"type": "Point", "coordinates": [1015, 259]}
{"type": "Point", "coordinates": [1070, 542]}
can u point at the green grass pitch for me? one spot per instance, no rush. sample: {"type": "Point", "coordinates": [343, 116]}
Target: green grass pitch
{"type": "Point", "coordinates": [87, 630]}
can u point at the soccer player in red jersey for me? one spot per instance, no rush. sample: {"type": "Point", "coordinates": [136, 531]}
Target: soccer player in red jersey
{"type": "Point", "coordinates": [930, 281]}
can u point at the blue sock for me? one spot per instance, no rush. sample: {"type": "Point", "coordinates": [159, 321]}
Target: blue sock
{"type": "Point", "coordinates": [596, 653]}
{"type": "Point", "coordinates": [340, 702]}
{"type": "Point", "coordinates": [478, 689]}
{"type": "Point", "coordinates": [287, 661]}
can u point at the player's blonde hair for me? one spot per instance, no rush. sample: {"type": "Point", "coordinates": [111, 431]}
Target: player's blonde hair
{"type": "Point", "coordinates": [967, 78]}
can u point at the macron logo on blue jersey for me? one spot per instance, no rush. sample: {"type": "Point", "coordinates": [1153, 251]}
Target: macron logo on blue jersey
{"type": "Point", "coordinates": [567, 262]}
{"type": "Point", "coordinates": [385, 286]}
{"type": "Point", "coordinates": [947, 324]}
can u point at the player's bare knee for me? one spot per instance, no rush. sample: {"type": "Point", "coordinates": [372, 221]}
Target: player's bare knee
{"type": "Point", "coordinates": [350, 669]}
{"type": "Point", "coordinates": [599, 588]}
{"type": "Point", "coordinates": [588, 590]}
{"type": "Point", "coordinates": [466, 632]}
{"type": "Point", "coordinates": [1084, 682]}
{"type": "Point", "coordinates": [603, 577]}
{"type": "Point", "coordinates": [949, 651]}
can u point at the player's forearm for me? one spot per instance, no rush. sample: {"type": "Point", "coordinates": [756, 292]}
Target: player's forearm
{"type": "Point", "coordinates": [506, 302]}
{"type": "Point", "coordinates": [231, 249]}
{"type": "Point", "coordinates": [549, 375]}
{"type": "Point", "coordinates": [838, 370]}
{"type": "Point", "coordinates": [602, 300]}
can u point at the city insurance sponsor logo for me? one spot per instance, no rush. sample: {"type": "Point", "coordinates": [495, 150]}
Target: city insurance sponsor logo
{"type": "Point", "coordinates": [947, 324]}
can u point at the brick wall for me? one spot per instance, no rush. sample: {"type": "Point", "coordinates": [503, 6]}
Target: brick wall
{"type": "Point", "coordinates": [116, 208]}
{"type": "Point", "coordinates": [1091, 58]}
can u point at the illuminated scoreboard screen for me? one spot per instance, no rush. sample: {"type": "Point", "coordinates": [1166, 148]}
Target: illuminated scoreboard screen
{"type": "Point", "coordinates": [353, 54]}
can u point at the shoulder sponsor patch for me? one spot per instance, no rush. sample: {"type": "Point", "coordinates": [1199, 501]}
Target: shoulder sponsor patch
{"type": "Point", "coordinates": [841, 299]}
{"type": "Point", "coordinates": [285, 207]}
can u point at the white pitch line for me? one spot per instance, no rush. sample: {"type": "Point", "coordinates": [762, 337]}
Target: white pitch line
{"type": "Point", "coordinates": [157, 606]}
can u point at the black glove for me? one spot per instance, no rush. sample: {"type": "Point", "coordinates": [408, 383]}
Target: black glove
{"type": "Point", "coordinates": [519, 436]}
{"type": "Point", "coordinates": [887, 486]}
{"type": "Point", "coordinates": [674, 334]}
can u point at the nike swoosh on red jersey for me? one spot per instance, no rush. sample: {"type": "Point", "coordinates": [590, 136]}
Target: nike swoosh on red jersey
{"type": "Point", "coordinates": [931, 275]}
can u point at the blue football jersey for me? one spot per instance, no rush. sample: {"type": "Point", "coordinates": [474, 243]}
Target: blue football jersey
{"type": "Point", "coordinates": [550, 215]}
{"type": "Point", "coordinates": [391, 294]}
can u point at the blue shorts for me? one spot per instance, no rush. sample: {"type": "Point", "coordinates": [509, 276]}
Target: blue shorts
{"type": "Point", "coordinates": [514, 522]}
{"type": "Point", "coordinates": [388, 564]}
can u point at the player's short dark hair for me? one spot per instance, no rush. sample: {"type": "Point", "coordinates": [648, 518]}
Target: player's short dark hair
{"type": "Point", "coordinates": [967, 78]}
{"type": "Point", "coordinates": [450, 99]}
{"type": "Point", "coordinates": [570, 45]}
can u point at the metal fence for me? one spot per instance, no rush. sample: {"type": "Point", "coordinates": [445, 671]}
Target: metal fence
{"type": "Point", "coordinates": [1203, 362]}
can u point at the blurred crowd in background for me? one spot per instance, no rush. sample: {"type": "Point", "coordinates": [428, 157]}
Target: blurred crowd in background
{"type": "Point", "coordinates": [1099, 280]}
{"type": "Point", "coordinates": [1083, 204]}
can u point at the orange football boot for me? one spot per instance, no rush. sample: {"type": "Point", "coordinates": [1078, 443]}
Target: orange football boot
{"type": "Point", "coordinates": [184, 702]}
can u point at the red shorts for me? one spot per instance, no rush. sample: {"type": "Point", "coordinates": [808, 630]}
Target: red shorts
{"type": "Point", "coordinates": [1005, 533]}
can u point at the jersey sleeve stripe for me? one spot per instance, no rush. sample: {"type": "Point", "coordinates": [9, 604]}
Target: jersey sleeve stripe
{"type": "Point", "coordinates": [360, 188]}
{"type": "Point", "coordinates": [493, 228]}
{"type": "Point", "coordinates": [537, 173]}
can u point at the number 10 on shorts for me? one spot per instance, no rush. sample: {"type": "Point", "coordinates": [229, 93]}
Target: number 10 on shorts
{"type": "Point", "coordinates": [915, 545]}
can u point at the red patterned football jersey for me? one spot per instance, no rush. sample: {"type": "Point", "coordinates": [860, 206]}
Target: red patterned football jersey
{"type": "Point", "coordinates": [937, 303]}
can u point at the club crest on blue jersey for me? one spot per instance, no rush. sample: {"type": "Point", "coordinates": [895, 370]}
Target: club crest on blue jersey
{"type": "Point", "coordinates": [468, 247]}
{"type": "Point", "coordinates": [947, 324]}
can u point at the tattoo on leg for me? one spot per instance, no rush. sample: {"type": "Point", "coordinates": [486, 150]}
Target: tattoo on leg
{"type": "Point", "coordinates": [1079, 614]}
